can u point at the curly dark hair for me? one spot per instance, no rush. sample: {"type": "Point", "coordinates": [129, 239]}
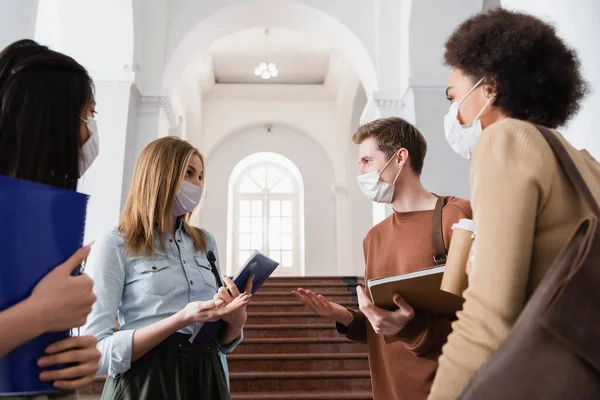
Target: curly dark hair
{"type": "Point", "coordinates": [536, 76]}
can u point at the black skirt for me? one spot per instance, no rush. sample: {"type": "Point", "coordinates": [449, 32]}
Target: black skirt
{"type": "Point", "coordinates": [173, 370]}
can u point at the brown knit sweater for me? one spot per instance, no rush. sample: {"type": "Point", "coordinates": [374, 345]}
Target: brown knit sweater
{"type": "Point", "coordinates": [402, 243]}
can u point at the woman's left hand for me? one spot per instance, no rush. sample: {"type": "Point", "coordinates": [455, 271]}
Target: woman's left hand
{"type": "Point", "coordinates": [78, 351]}
{"type": "Point", "coordinates": [228, 293]}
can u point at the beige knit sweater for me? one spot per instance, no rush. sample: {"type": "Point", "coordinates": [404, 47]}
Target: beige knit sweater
{"type": "Point", "coordinates": [525, 210]}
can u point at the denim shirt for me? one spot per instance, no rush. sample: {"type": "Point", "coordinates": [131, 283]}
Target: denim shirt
{"type": "Point", "coordinates": [145, 290]}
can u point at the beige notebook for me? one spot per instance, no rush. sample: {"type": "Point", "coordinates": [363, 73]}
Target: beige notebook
{"type": "Point", "coordinates": [420, 289]}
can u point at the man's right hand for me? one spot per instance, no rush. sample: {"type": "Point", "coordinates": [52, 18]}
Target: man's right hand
{"type": "Point", "coordinates": [323, 307]}
{"type": "Point", "coordinates": [63, 301]}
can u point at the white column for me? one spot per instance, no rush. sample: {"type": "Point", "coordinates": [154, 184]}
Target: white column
{"type": "Point", "coordinates": [17, 20]}
{"type": "Point", "coordinates": [146, 123]}
{"type": "Point", "coordinates": [169, 121]}
{"type": "Point", "coordinates": [149, 120]}
{"type": "Point", "coordinates": [343, 231]}
{"type": "Point", "coordinates": [576, 21]}
{"type": "Point", "coordinates": [104, 180]}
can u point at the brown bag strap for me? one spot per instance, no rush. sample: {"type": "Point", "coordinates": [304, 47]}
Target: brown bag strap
{"type": "Point", "coordinates": [439, 255]}
{"type": "Point", "coordinates": [568, 166]}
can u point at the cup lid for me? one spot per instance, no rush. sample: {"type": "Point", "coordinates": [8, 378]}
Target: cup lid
{"type": "Point", "coordinates": [466, 224]}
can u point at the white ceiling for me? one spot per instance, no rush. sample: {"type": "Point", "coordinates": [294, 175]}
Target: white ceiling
{"type": "Point", "coordinates": [301, 59]}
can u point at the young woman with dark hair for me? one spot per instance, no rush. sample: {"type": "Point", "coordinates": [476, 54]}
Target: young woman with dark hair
{"type": "Point", "coordinates": [510, 71]}
{"type": "Point", "coordinates": [48, 135]}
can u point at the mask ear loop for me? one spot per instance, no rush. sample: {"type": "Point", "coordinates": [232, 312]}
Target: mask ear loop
{"type": "Point", "coordinates": [388, 163]}
{"type": "Point", "coordinates": [470, 91]}
{"type": "Point", "coordinates": [484, 107]}
{"type": "Point", "coordinates": [398, 174]}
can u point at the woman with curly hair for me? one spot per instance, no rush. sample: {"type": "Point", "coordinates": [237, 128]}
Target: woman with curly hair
{"type": "Point", "coordinates": [509, 72]}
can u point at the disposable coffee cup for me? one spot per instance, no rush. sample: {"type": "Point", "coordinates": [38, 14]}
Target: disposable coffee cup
{"type": "Point", "coordinates": [455, 278]}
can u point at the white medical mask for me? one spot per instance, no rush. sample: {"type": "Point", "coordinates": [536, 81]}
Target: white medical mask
{"type": "Point", "coordinates": [462, 138]}
{"type": "Point", "coordinates": [187, 198]}
{"type": "Point", "coordinates": [375, 189]}
{"type": "Point", "coordinates": [90, 149]}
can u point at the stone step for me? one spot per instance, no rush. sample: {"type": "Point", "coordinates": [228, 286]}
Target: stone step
{"type": "Point", "coordinates": [298, 362]}
{"type": "Point", "coordinates": [313, 381]}
{"type": "Point", "coordinates": [299, 345]}
{"type": "Point", "coordinates": [292, 305]}
{"type": "Point", "coordinates": [290, 331]}
{"type": "Point", "coordinates": [343, 395]}
{"type": "Point", "coordinates": [302, 317]}
{"type": "Point", "coordinates": [331, 295]}
{"type": "Point", "coordinates": [317, 286]}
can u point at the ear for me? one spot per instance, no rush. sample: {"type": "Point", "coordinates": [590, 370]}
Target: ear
{"type": "Point", "coordinates": [489, 88]}
{"type": "Point", "coordinates": [402, 157]}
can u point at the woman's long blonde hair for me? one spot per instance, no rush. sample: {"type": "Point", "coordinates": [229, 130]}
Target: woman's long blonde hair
{"type": "Point", "coordinates": [156, 179]}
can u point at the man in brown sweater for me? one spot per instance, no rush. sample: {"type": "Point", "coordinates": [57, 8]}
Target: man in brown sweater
{"type": "Point", "coordinates": [403, 345]}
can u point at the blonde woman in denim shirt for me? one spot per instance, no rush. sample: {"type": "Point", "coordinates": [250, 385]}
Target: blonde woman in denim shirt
{"type": "Point", "coordinates": [153, 273]}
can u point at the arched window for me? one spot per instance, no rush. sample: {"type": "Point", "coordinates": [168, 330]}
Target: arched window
{"type": "Point", "coordinates": [265, 212]}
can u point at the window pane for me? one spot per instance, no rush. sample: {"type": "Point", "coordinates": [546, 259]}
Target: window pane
{"type": "Point", "coordinates": [244, 243]}
{"type": "Point", "coordinates": [243, 257]}
{"type": "Point", "coordinates": [257, 208]}
{"type": "Point", "coordinates": [275, 208]}
{"type": "Point", "coordinates": [275, 255]}
{"type": "Point", "coordinates": [244, 225]}
{"type": "Point", "coordinates": [286, 241]}
{"type": "Point", "coordinates": [274, 241]}
{"type": "Point", "coordinates": [257, 225]}
{"type": "Point", "coordinates": [273, 176]}
{"type": "Point", "coordinates": [286, 208]}
{"type": "Point", "coordinates": [285, 186]}
{"type": "Point", "coordinates": [259, 175]}
{"type": "Point", "coordinates": [275, 226]}
{"type": "Point", "coordinates": [248, 186]}
{"type": "Point", "coordinates": [257, 241]}
{"type": "Point", "coordinates": [244, 208]}
{"type": "Point", "coordinates": [286, 259]}
{"type": "Point", "coordinates": [286, 225]}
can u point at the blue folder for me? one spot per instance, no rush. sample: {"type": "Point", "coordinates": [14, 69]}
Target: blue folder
{"type": "Point", "coordinates": [258, 265]}
{"type": "Point", "coordinates": [40, 227]}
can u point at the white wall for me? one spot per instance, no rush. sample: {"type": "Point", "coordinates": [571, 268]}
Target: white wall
{"type": "Point", "coordinates": [131, 139]}
{"type": "Point", "coordinates": [576, 22]}
{"type": "Point", "coordinates": [317, 174]}
{"type": "Point", "coordinates": [17, 20]}
{"type": "Point", "coordinates": [361, 208]}
{"type": "Point", "coordinates": [104, 180]}
{"type": "Point", "coordinates": [445, 172]}
{"type": "Point", "coordinates": [308, 109]}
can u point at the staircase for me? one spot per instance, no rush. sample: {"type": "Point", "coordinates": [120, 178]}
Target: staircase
{"type": "Point", "coordinates": [290, 353]}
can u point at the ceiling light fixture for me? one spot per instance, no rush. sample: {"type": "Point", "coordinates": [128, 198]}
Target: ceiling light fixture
{"type": "Point", "coordinates": [266, 69]}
